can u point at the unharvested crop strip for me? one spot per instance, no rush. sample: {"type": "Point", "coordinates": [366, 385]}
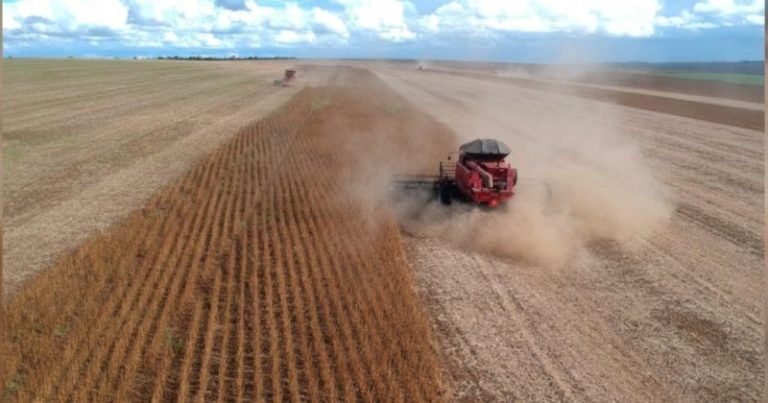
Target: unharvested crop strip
{"type": "Point", "coordinates": [344, 273]}
{"type": "Point", "coordinates": [220, 225]}
{"type": "Point", "coordinates": [213, 209]}
{"type": "Point", "coordinates": [196, 236]}
{"type": "Point", "coordinates": [186, 239]}
{"type": "Point", "coordinates": [308, 287]}
{"type": "Point", "coordinates": [201, 235]}
{"type": "Point", "coordinates": [293, 261]}
{"type": "Point", "coordinates": [144, 273]}
{"type": "Point", "coordinates": [159, 346]}
{"type": "Point", "coordinates": [336, 280]}
{"type": "Point", "coordinates": [79, 339]}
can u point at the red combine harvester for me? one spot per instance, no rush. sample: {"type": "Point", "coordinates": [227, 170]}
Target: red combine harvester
{"type": "Point", "coordinates": [480, 176]}
{"type": "Point", "coordinates": [289, 76]}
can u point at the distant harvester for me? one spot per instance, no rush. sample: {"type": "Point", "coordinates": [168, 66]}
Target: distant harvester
{"type": "Point", "coordinates": [289, 76]}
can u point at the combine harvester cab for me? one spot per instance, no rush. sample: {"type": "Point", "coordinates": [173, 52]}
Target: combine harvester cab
{"type": "Point", "coordinates": [481, 175]}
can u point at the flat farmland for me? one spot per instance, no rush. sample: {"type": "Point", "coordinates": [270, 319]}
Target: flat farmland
{"type": "Point", "coordinates": [739, 83]}
{"type": "Point", "coordinates": [84, 142]}
{"type": "Point", "coordinates": [254, 251]}
{"type": "Point", "coordinates": [642, 281]}
{"type": "Point", "coordinates": [265, 273]}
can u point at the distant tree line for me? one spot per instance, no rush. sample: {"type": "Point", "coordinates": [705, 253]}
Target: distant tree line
{"type": "Point", "coordinates": [209, 58]}
{"type": "Point", "coordinates": [740, 67]}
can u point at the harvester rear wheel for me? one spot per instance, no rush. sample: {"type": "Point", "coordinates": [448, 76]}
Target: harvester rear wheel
{"type": "Point", "coordinates": [445, 194]}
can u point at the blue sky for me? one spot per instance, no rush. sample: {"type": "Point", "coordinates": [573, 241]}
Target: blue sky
{"type": "Point", "coordinates": [513, 30]}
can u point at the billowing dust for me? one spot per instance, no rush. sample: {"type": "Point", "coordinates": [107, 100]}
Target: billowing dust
{"type": "Point", "coordinates": [577, 183]}
{"type": "Point", "coordinates": [600, 187]}
{"type": "Point", "coordinates": [550, 220]}
{"type": "Point", "coordinates": [678, 318]}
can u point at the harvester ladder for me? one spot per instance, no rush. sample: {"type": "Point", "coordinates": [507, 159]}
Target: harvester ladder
{"type": "Point", "coordinates": [447, 170]}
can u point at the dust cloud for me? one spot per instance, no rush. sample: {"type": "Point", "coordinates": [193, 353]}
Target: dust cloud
{"type": "Point", "coordinates": [380, 133]}
{"type": "Point", "coordinates": [582, 180]}
{"type": "Point", "coordinates": [513, 71]}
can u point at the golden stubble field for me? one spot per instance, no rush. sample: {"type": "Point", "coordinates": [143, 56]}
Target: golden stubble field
{"type": "Point", "coordinates": [264, 273]}
{"type": "Point", "coordinates": [85, 141]}
{"type": "Point", "coordinates": [267, 264]}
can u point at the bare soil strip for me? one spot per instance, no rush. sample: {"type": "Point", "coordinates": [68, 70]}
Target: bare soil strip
{"type": "Point", "coordinates": [731, 115]}
{"type": "Point", "coordinates": [642, 80]}
{"type": "Point", "coordinates": [656, 92]}
{"type": "Point", "coordinates": [257, 276]}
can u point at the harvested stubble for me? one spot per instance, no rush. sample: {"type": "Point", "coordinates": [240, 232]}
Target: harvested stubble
{"type": "Point", "coordinates": [250, 279]}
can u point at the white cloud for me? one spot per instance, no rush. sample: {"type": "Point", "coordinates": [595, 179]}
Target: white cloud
{"type": "Point", "coordinates": [327, 22]}
{"type": "Point", "coordinates": [620, 18]}
{"type": "Point", "coordinates": [384, 18]}
{"type": "Point", "coordinates": [757, 19]}
{"type": "Point", "coordinates": [255, 23]}
{"type": "Point", "coordinates": [170, 37]}
{"type": "Point", "coordinates": [731, 12]}
{"type": "Point", "coordinates": [9, 22]}
{"type": "Point", "coordinates": [290, 17]}
{"type": "Point", "coordinates": [66, 16]}
{"type": "Point", "coordinates": [686, 20]}
{"type": "Point", "coordinates": [730, 7]}
{"type": "Point", "coordinates": [717, 13]}
{"type": "Point", "coordinates": [112, 14]}
{"type": "Point", "coordinates": [288, 37]}
{"type": "Point", "coordinates": [176, 23]}
{"type": "Point", "coordinates": [172, 13]}
{"type": "Point", "coordinates": [430, 23]}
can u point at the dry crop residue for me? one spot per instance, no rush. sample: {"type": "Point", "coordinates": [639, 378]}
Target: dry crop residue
{"type": "Point", "coordinates": [252, 278]}
{"type": "Point", "coordinates": [87, 141]}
